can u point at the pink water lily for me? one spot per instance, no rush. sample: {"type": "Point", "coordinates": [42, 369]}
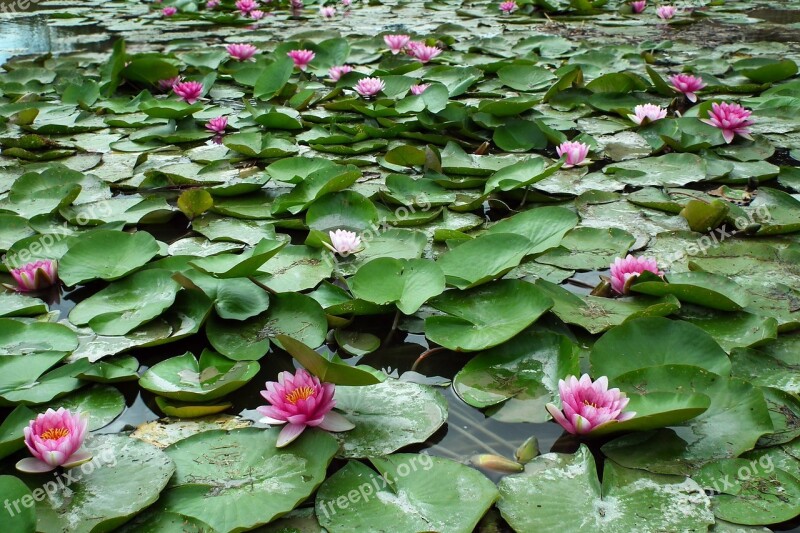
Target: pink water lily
{"type": "Point", "coordinates": [335, 73]}
{"type": "Point", "coordinates": [189, 91]}
{"type": "Point", "coordinates": [687, 84]}
{"type": "Point", "coordinates": [368, 87]}
{"type": "Point", "coordinates": [35, 276]}
{"type": "Point", "coordinates": [327, 12]}
{"type": "Point", "coordinates": [666, 12]}
{"type": "Point", "coordinates": [300, 401]}
{"type": "Point", "coordinates": [396, 43]}
{"type": "Point", "coordinates": [343, 242]}
{"type": "Point", "coordinates": [241, 52]}
{"type": "Point", "coordinates": [643, 114]}
{"type": "Point", "coordinates": [575, 152]}
{"type": "Point", "coordinates": [296, 5]}
{"type": "Point", "coordinates": [731, 118]}
{"type": "Point", "coordinates": [211, 4]}
{"type": "Point", "coordinates": [169, 11]}
{"type": "Point", "coordinates": [257, 14]}
{"type": "Point", "coordinates": [508, 7]}
{"type": "Point", "coordinates": [346, 3]}
{"type": "Point", "coordinates": [624, 271]}
{"type": "Point", "coordinates": [169, 83]}
{"type": "Point", "coordinates": [301, 58]}
{"type": "Point", "coordinates": [638, 6]}
{"type": "Point", "coordinates": [217, 125]}
{"type": "Point", "coordinates": [246, 6]}
{"type": "Point", "coordinates": [419, 89]}
{"type": "Point", "coordinates": [425, 53]}
{"type": "Point", "coordinates": [54, 438]}
{"type": "Point", "coordinates": [588, 406]}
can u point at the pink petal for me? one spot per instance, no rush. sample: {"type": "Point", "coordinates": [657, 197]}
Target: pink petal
{"type": "Point", "coordinates": [289, 433]}
{"type": "Point", "coordinates": [333, 421]}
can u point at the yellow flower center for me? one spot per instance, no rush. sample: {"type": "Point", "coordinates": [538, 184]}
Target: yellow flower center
{"type": "Point", "coordinates": [592, 404]}
{"type": "Point", "coordinates": [55, 433]}
{"type": "Point", "coordinates": [301, 393]}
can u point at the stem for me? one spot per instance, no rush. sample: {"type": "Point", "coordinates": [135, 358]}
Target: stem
{"type": "Point", "coordinates": [394, 328]}
{"type": "Point", "coordinates": [254, 280]}
{"type": "Point", "coordinates": [524, 197]}
{"type": "Point", "coordinates": [424, 355]}
{"type": "Point", "coordinates": [580, 283]}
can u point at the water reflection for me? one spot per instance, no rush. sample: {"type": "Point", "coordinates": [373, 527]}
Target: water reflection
{"type": "Point", "coordinates": [36, 34]}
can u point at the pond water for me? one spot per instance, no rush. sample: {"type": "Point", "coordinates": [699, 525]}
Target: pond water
{"type": "Point", "coordinates": [468, 431]}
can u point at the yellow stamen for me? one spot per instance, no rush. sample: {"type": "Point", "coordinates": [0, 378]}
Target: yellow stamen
{"type": "Point", "coordinates": [587, 402]}
{"type": "Point", "coordinates": [55, 433]}
{"type": "Point", "coordinates": [299, 394]}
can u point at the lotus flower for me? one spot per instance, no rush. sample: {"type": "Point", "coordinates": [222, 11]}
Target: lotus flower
{"type": "Point", "coordinates": [576, 153]}
{"type": "Point", "coordinates": [368, 87]}
{"type": "Point", "coordinates": [169, 11]}
{"type": "Point", "coordinates": [687, 84]}
{"type": "Point", "coordinates": [301, 58]}
{"type": "Point", "coordinates": [217, 125]}
{"type": "Point", "coordinates": [296, 4]}
{"type": "Point", "coordinates": [54, 438]}
{"type": "Point", "coordinates": [646, 113]}
{"type": "Point", "coordinates": [343, 242]}
{"type": "Point", "coordinates": [257, 14]}
{"type": "Point", "coordinates": [508, 7]}
{"type": "Point", "coordinates": [396, 43]}
{"type": "Point", "coordinates": [246, 6]}
{"type": "Point", "coordinates": [168, 84]}
{"type": "Point", "coordinates": [666, 12]}
{"type": "Point", "coordinates": [731, 118]}
{"type": "Point", "coordinates": [419, 89]}
{"type": "Point", "coordinates": [346, 3]}
{"type": "Point", "coordinates": [241, 52]}
{"type": "Point", "coordinates": [638, 6]}
{"type": "Point", "coordinates": [327, 12]}
{"type": "Point", "coordinates": [338, 71]}
{"type": "Point", "coordinates": [211, 4]}
{"type": "Point", "coordinates": [189, 91]}
{"type": "Point", "coordinates": [35, 276]}
{"type": "Point", "coordinates": [300, 401]}
{"type": "Point", "coordinates": [425, 53]}
{"type": "Point", "coordinates": [624, 271]}
{"type": "Point", "coordinates": [588, 405]}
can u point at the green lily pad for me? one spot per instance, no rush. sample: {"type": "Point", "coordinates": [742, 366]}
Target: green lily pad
{"type": "Point", "coordinates": [409, 283]}
{"type": "Point", "coordinates": [185, 379]}
{"type": "Point", "coordinates": [701, 288]}
{"type": "Point", "coordinates": [328, 370]}
{"type": "Point", "coordinates": [411, 493]}
{"type": "Point", "coordinates": [23, 517]}
{"type": "Point", "coordinates": [108, 255]}
{"type": "Point", "coordinates": [241, 469]}
{"type": "Point", "coordinates": [486, 316]}
{"type": "Point", "coordinates": [21, 338]}
{"type": "Point", "coordinates": [543, 226]}
{"type": "Point", "coordinates": [533, 500]}
{"type": "Point", "coordinates": [483, 259]}
{"type": "Point", "coordinates": [388, 416]}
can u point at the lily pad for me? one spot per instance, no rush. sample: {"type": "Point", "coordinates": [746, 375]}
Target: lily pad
{"type": "Point", "coordinates": [107, 255]}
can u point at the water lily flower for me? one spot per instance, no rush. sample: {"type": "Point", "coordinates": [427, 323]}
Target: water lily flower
{"type": "Point", "coordinates": [624, 271]}
{"type": "Point", "coordinates": [587, 405]}
{"type": "Point", "coordinates": [301, 58]}
{"type": "Point", "coordinates": [217, 125]}
{"type": "Point", "coordinates": [666, 12]}
{"type": "Point", "coordinates": [343, 242]}
{"type": "Point", "coordinates": [189, 91]}
{"type": "Point", "coordinates": [396, 43]}
{"type": "Point", "coordinates": [168, 84]}
{"type": "Point", "coordinates": [646, 113]}
{"type": "Point", "coordinates": [211, 4]}
{"type": "Point", "coordinates": [508, 7]}
{"type": "Point", "coordinates": [576, 153]}
{"type": "Point", "coordinates": [35, 276]}
{"type": "Point", "coordinates": [327, 12]}
{"type": "Point", "coordinates": [425, 53]}
{"type": "Point", "coordinates": [54, 438]}
{"type": "Point", "coordinates": [368, 87]}
{"type": "Point", "coordinates": [241, 52]}
{"type": "Point", "coordinates": [346, 3]}
{"type": "Point", "coordinates": [638, 6]}
{"type": "Point", "coordinates": [419, 89]}
{"type": "Point", "coordinates": [300, 401]}
{"type": "Point", "coordinates": [296, 4]}
{"type": "Point", "coordinates": [257, 14]}
{"type": "Point", "coordinates": [731, 118]}
{"type": "Point", "coordinates": [169, 11]}
{"type": "Point", "coordinates": [687, 84]}
{"type": "Point", "coordinates": [246, 6]}
{"type": "Point", "coordinates": [336, 72]}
